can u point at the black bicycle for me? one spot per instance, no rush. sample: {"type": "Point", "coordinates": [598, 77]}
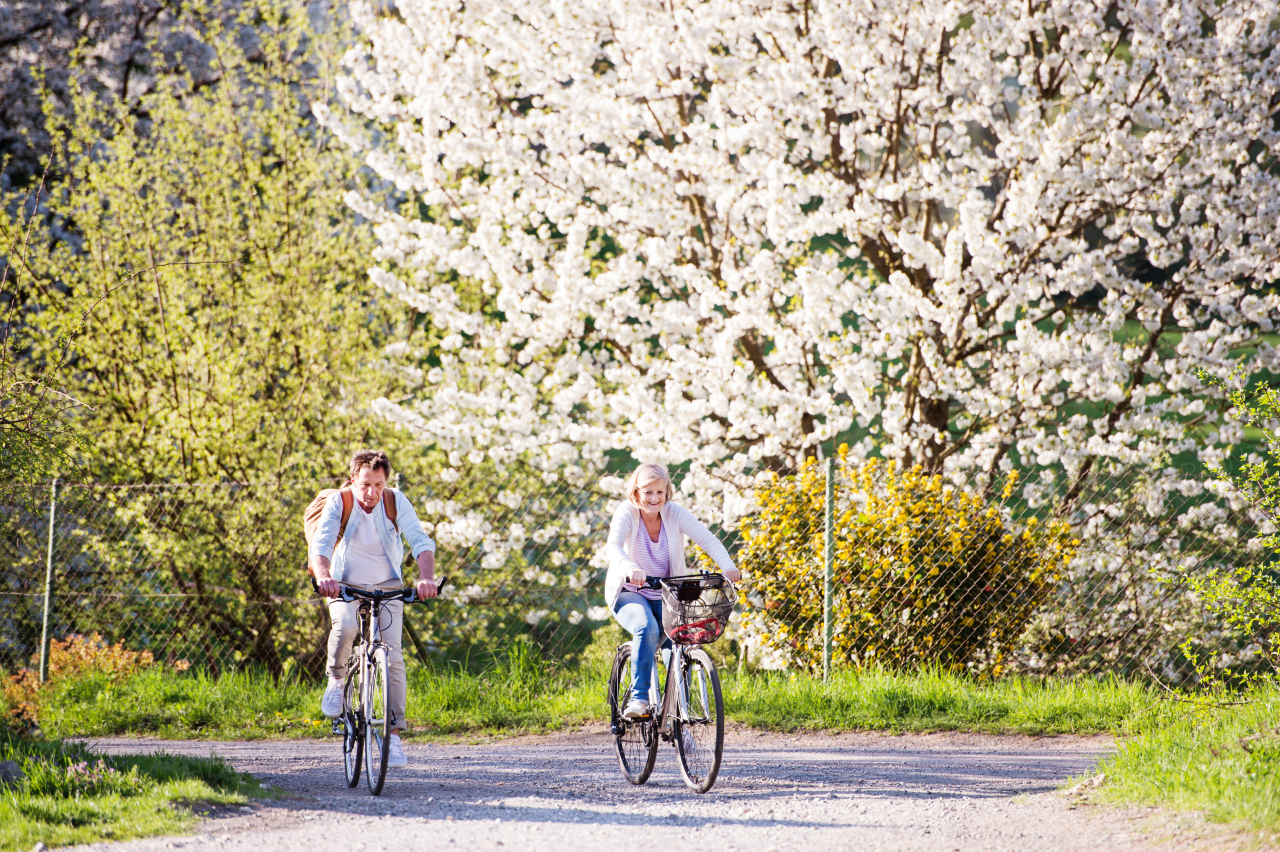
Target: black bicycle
{"type": "Point", "coordinates": [690, 710]}
{"type": "Point", "coordinates": [366, 723]}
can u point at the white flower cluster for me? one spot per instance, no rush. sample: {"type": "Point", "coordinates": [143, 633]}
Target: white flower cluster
{"type": "Point", "coordinates": [725, 232]}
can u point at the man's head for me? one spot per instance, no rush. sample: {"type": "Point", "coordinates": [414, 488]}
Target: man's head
{"type": "Point", "coordinates": [369, 472]}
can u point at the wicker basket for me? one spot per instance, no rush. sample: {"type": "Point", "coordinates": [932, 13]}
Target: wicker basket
{"type": "Point", "coordinates": [696, 610]}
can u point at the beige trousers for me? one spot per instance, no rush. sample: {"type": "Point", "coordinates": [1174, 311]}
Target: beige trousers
{"type": "Point", "coordinates": [346, 627]}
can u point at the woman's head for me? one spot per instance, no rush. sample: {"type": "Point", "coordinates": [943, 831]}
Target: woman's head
{"type": "Point", "coordinates": [649, 486]}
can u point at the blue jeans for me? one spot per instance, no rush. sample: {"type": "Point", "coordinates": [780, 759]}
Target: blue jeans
{"type": "Point", "coordinates": [642, 618]}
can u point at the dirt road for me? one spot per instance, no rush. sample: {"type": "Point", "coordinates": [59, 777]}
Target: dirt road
{"type": "Point", "coordinates": [564, 793]}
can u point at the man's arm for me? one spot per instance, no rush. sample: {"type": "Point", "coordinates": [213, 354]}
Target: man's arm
{"type": "Point", "coordinates": [323, 543]}
{"type": "Point", "coordinates": [423, 548]}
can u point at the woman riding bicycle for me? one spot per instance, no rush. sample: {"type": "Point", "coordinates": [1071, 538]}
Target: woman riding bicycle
{"type": "Point", "coordinates": [646, 540]}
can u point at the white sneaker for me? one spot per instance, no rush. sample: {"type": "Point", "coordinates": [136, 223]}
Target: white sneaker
{"type": "Point", "coordinates": [331, 703]}
{"type": "Point", "coordinates": [396, 758]}
{"type": "Point", "coordinates": [635, 709]}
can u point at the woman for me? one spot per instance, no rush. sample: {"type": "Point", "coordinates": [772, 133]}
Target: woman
{"type": "Point", "coordinates": [646, 539]}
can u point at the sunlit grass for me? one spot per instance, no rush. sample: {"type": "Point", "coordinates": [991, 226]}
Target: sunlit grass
{"type": "Point", "coordinates": [71, 796]}
{"type": "Point", "coordinates": [936, 701]}
{"type": "Point", "coordinates": [1223, 762]}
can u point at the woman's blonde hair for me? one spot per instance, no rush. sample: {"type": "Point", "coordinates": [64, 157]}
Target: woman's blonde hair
{"type": "Point", "coordinates": [643, 475]}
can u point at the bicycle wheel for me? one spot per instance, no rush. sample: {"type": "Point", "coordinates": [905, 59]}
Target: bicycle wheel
{"type": "Point", "coordinates": [699, 730]}
{"type": "Point", "coordinates": [637, 742]}
{"type": "Point", "coordinates": [377, 740]}
{"type": "Point", "coordinates": [352, 714]}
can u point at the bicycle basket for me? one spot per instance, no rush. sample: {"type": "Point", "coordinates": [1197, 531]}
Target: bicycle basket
{"type": "Point", "coordinates": [696, 610]}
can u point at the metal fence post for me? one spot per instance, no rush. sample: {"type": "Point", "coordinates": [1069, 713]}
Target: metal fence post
{"type": "Point", "coordinates": [828, 556]}
{"type": "Point", "coordinates": [48, 586]}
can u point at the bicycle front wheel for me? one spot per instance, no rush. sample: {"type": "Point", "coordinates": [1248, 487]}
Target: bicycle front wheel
{"type": "Point", "coordinates": [377, 741]}
{"type": "Point", "coordinates": [635, 741]}
{"type": "Point", "coordinates": [352, 732]}
{"type": "Point", "coordinates": [700, 728]}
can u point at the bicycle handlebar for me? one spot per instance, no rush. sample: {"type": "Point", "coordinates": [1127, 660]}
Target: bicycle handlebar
{"type": "Point", "coordinates": [409, 594]}
{"type": "Point", "coordinates": [655, 583]}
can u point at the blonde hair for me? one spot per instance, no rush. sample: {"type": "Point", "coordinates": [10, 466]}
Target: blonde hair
{"type": "Point", "coordinates": [643, 475]}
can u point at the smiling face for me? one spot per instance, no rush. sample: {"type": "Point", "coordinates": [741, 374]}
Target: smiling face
{"type": "Point", "coordinates": [651, 496]}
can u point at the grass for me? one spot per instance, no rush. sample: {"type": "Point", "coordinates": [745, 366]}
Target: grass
{"type": "Point", "coordinates": [936, 701]}
{"type": "Point", "coordinates": [70, 795]}
{"type": "Point", "coordinates": [1223, 762]}
{"type": "Point", "coordinates": [520, 692]}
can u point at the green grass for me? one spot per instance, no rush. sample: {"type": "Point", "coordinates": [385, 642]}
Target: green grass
{"type": "Point", "coordinates": [1224, 763]}
{"type": "Point", "coordinates": [936, 701]}
{"type": "Point", "coordinates": [520, 692]}
{"type": "Point", "coordinates": [72, 796]}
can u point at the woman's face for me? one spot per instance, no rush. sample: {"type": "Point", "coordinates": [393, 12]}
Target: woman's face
{"type": "Point", "coordinates": [653, 496]}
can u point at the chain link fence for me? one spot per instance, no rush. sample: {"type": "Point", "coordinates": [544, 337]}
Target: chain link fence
{"type": "Point", "coordinates": [1046, 575]}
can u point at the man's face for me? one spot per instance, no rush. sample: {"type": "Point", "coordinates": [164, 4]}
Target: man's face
{"type": "Point", "coordinates": [367, 487]}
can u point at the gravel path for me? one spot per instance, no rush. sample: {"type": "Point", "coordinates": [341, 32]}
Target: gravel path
{"type": "Point", "coordinates": [811, 792]}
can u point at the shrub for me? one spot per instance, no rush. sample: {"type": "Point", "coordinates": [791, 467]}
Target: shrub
{"type": "Point", "coordinates": [73, 658]}
{"type": "Point", "coordinates": [923, 573]}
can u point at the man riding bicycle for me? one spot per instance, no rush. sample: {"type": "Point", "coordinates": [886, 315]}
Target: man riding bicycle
{"type": "Point", "coordinates": [367, 555]}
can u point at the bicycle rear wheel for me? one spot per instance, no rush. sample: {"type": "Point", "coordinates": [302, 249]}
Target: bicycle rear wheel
{"type": "Point", "coordinates": [352, 714]}
{"type": "Point", "coordinates": [377, 741]}
{"type": "Point", "coordinates": [636, 742]}
{"type": "Point", "coordinates": [699, 731]}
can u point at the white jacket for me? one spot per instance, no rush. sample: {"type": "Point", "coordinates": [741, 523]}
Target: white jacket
{"type": "Point", "coordinates": [407, 525]}
{"type": "Point", "coordinates": [679, 522]}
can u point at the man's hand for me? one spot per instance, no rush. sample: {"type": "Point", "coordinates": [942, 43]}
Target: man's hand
{"type": "Point", "coordinates": [733, 575]}
{"type": "Point", "coordinates": [427, 586]}
{"type": "Point", "coordinates": [637, 577]}
{"type": "Point", "coordinates": [326, 584]}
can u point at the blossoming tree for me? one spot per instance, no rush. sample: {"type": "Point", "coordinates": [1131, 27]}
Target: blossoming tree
{"type": "Point", "coordinates": [969, 234]}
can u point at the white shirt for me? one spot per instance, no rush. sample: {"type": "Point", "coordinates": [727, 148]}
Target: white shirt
{"type": "Point", "coordinates": [367, 560]}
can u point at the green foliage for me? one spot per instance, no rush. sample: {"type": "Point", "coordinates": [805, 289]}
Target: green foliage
{"type": "Point", "coordinates": [1225, 765]}
{"type": "Point", "coordinates": [228, 334]}
{"type": "Point", "coordinates": [1247, 596]}
{"type": "Point", "coordinates": [923, 574]}
{"type": "Point", "coordinates": [195, 252]}
{"type": "Point", "coordinates": [71, 795]}
{"type": "Point", "coordinates": [36, 432]}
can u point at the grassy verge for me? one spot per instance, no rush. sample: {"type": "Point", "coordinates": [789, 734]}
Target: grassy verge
{"type": "Point", "coordinates": [521, 693]}
{"type": "Point", "coordinates": [71, 796]}
{"type": "Point", "coordinates": [935, 701]}
{"type": "Point", "coordinates": [1224, 763]}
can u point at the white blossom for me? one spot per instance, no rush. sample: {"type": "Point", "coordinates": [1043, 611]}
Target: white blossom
{"type": "Point", "coordinates": [724, 233]}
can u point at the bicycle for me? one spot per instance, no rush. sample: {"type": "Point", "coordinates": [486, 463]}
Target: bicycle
{"type": "Point", "coordinates": [690, 710]}
{"type": "Point", "coordinates": [365, 724]}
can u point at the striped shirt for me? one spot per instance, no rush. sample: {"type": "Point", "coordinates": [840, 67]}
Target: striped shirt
{"type": "Point", "coordinates": [651, 557]}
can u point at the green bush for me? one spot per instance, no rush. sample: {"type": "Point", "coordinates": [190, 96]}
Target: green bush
{"type": "Point", "coordinates": [923, 573]}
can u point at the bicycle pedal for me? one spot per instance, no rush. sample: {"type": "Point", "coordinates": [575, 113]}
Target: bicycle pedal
{"type": "Point", "coordinates": [338, 727]}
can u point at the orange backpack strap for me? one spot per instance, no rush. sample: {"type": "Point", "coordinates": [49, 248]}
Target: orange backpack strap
{"type": "Point", "coordinates": [389, 506]}
{"type": "Point", "coordinates": [348, 500]}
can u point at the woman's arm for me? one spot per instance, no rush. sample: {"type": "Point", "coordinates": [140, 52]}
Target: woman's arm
{"type": "Point", "coordinates": [706, 539]}
{"type": "Point", "coordinates": [621, 528]}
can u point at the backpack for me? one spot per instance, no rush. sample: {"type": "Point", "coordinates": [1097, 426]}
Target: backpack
{"type": "Point", "coordinates": [311, 515]}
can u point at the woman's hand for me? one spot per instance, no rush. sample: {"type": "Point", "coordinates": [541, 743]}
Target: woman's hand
{"type": "Point", "coordinates": [733, 575]}
{"type": "Point", "coordinates": [637, 577]}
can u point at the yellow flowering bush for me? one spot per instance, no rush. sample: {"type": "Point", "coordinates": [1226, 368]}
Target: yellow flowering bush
{"type": "Point", "coordinates": [922, 572]}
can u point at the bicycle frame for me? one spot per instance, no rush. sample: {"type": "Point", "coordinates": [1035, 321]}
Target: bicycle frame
{"type": "Point", "coordinates": [675, 697]}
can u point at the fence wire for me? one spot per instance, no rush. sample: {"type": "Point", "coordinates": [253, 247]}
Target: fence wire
{"type": "Point", "coordinates": [1052, 574]}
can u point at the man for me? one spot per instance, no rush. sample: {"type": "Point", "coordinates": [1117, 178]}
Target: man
{"type": "Point", "coordinates": [368, 557]}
